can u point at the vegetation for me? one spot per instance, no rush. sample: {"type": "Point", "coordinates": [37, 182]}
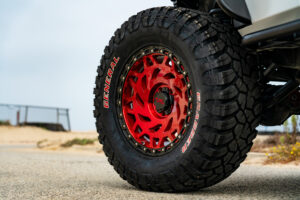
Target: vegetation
{"type": "Point", "coordinates": [39, 144]}
{"type": "Point", "coordinates": [5, 123]}
{"type": "Point", "coordinates": [78, 141]}
{"type": "Point", "coordinates": [284, 153]}
{"type": "Point", "coordinates": [288, 148]}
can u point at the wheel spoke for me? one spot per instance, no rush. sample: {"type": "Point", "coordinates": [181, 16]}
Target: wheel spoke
{"type": "Point", "coordinates": [154, 101]}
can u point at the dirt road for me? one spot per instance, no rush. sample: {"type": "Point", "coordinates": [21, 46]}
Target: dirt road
{"type": "Point", "coordinates": [53, 175]}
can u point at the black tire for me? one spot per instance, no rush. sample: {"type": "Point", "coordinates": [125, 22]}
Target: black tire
{"type": "Point", "coordinates": [230, 108]}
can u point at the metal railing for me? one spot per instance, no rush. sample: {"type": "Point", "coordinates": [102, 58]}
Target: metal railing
{"type": "Point", "coordinates": [18, 114]}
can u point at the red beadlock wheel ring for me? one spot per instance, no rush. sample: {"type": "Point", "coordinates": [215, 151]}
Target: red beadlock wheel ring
{"type": "Point", "coordinates": [155, 100]}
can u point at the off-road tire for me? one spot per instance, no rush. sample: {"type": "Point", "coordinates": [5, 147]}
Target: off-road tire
{"type": "Point", "coordinates": [230, 107]}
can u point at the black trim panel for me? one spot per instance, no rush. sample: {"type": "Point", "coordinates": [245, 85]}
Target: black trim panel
{"type": "Point", "coordinates": [274, 32]}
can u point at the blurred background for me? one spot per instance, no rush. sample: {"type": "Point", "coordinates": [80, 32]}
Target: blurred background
{"type": "Point", "coordinates": [49, 52]}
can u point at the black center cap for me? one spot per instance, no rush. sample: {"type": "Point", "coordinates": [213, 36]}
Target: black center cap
{"type": "Point", "coordinates": [163, 101]}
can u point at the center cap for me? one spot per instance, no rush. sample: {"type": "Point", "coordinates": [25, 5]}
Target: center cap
{"type": "Point", "coordinates": [163, 101]}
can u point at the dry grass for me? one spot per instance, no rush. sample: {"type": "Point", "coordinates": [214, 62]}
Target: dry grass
{"type": "Point", "coordinates": [284, 153]}
{"type": "Point", "coordinates": [264, 143]}
{"type": "Point", "coordinates": [279, 148]}
{"type": "Point", "coordinates": [78, 141]}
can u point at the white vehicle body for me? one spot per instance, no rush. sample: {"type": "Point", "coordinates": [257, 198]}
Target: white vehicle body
{"type": "Point", "coordinates": [269, 13]}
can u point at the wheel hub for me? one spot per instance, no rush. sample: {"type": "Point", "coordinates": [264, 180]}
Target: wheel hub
{"type": "Point", "coordinates": [163, 101]}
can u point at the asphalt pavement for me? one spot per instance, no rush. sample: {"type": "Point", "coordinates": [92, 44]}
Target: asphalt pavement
{"type": "Point", "coordinates": [43, 175]}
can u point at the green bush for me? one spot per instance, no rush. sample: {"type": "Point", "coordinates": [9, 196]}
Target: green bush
{"type": "Point", "coordinates": [5, 123]}
{"type": "Point", "coordinates": [78, 141]}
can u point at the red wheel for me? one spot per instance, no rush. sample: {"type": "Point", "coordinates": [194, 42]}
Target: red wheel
{"type": "Point", "coordinates": [155, 100]}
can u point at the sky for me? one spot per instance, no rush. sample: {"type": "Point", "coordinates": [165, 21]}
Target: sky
{"type": "Point", "coordinates": [50, 50]}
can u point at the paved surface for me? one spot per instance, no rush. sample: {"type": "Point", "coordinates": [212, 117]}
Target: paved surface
{"type": "Point", "coordinates": [42, 175]}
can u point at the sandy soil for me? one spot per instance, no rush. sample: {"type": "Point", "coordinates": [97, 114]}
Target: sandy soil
{"type": "Point", "coordinates": [47, 140]}
{"type": "Point", "coordinates": [41, 139]}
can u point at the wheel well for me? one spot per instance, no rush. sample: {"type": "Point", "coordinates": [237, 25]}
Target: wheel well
{"type": "Point", "coordinates": [203, 5]}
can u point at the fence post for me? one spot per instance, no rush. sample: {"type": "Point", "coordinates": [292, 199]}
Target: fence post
{"type": "Point", "coordinates": [26, 114]}
{"type": "Point", "coordinates": [18, 117]}
{"type": "Point", "coordinates": [68, 117]}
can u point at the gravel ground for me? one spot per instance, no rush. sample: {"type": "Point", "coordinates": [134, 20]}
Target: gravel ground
{"type": "Point", "coordinates": [45, 175]}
